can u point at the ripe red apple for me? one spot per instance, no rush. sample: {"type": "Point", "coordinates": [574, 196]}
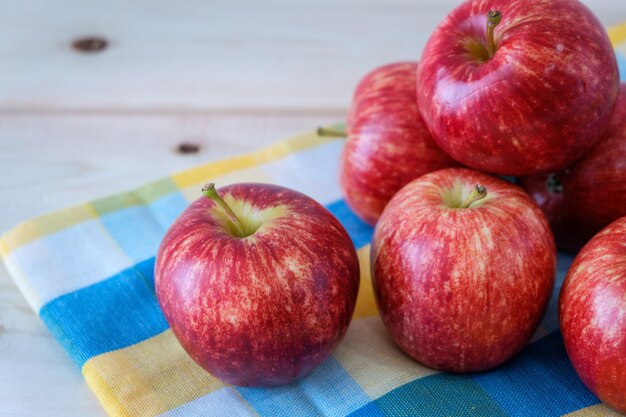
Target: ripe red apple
{"type": "Point", "coordinates": [591, 193]}
{"type": "Point", "coordinates": [258, 287]}
{"type": "Point", "coordinates": [388, 143]}
{"type": "Point", "coordinates": [528, 89]}
{"type": "Point", "coordinates": [463, 267]}
{"type": "Point", "coordinates": [592, 312]}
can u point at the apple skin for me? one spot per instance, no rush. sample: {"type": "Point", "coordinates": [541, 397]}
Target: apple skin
{"type": "Point", "coordinates": [388, 143]}
{"type": "Point", "coordinates": [462, 290]}
{"type": "Point", "coordinates": [547, 192]}
{"type": "Point", "coordinates": [592, 313]}
{"type": "Point", "coordinates": [541, 101]}
{"type": "Point", "coordinates": [591, 192]}
{"type": "Point", "coordinates": [262, 310]}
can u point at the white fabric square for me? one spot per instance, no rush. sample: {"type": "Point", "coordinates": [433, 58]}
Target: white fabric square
{"type": "Point", "coordinates": [68, 260]}
{"type": "Point", "coordinates": [223, 402]}
{"type": "Point", "coordinates": [314, 172]}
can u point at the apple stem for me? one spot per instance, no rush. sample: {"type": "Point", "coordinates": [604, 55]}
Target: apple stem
{"type": "Point", "coordinates": [209, 191]}
{"type": "Point", "coordinates": [494, 18]}
{"type": "Point", "coordinates": [478, 193]}
{"type": "Point", "coordinates": [330, 132]}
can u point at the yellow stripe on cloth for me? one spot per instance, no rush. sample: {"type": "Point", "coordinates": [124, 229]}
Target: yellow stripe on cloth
{"type": "Point", "coordinates": [200, 174]}
{"type": "Point", "coordinates": [599, 410]}
{"type": "Point", "coordinates": [148, 378]}
{"type": "Point", "coordinates": [617, 34]}
{"type": "Point", "coordinates": [45, 225]}
{"type": "Point", "coordinates": [373, 360]}
{"type": "Point", "coordinates": [365, 303]}
{"type": "Point", "coordinates": [140, 196]}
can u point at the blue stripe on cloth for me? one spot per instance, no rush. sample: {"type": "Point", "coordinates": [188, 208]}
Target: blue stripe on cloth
{"type": "Point", "coordinates": [135, 230]}
{"type": "Point", "coordinates": [370, 410]}
{"type": "Point", "coordinates": [434, 395]}
{"type": "Point", "coordinates": [328, 390]}
{"type": "Point", "coordinates": [146, 268]}
{"type": "Point", "coordinates": [621, 62]}
{"type": "Point", "coordinates": [139, 229]}
{"type": "Point", "coordinates": [540, 381]}
{"type": "Point", "coordinates": [359, 231]}
{"type": "Point", "coordinates": [167, 208]}
{"type": "Point", "coordinates": [106, 316]}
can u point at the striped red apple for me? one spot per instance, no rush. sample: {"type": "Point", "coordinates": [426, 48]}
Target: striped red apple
{"type": "Point", "coordinates": [463, 266]}
{"type": "Point", "coordinates": [518, 87]}
{"type": "Point", "coordinates": [388, 143]}
{"type": "Point", "coordinates": [592, 312]}
{"type": "Point", "coordinates": [258, 286]}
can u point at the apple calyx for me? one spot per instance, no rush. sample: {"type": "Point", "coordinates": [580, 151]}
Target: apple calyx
{"type": "Point", "coordinates": [554, 184]}
{"type": "Point", "coordinates": [478, 193]}
{"type": "Point", "coordinates": [209, 191]}
{"type": "Point", "coordinates": [330, 132]}
{"type": "Point", "coordinates": [494, 17]}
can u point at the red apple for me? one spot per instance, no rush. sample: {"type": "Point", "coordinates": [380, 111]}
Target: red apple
{"type": "Point", "coordinates": [463, 267]}
{"type": "Point", "coordinates": [592, 312]}
{"type": "Point", "coordinates": [388, 144]}
{"type": "Point", "coordinates": [591, 193]}
{"type": "Point", "coordinates": [529, 94]}
{"type": "Point", "coordinates": [258, 287]}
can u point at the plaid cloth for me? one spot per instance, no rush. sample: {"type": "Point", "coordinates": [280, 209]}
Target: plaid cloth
{"type": "Point", "coordinates": [88, 272]}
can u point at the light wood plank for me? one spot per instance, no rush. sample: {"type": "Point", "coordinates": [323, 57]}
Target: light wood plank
{"type": "Point", "coordinates": [50, 162]}
{"type": "Point", "coordinates": [197, 54]}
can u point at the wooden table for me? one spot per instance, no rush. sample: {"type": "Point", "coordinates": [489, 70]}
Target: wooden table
{"type": "Point", "coordinates": [82, 122]}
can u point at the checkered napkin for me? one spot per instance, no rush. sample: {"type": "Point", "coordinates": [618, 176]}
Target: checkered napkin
{"type": "Point", "coordinates": [88, 272]}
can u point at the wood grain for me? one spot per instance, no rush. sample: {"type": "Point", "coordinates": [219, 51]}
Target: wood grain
{"type": "Point", "coordinates": [230, 76]}
{"type": "Point", "coordinates": [54, 161]}
{"type": "Point", "coordinates": [170, 56]}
